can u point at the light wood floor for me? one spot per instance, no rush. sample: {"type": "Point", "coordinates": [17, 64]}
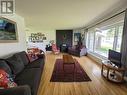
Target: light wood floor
{"type": "Point", "coordinates": [98, 85]}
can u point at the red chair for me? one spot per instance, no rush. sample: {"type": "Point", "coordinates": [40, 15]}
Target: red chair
{"type": "Point", "coordinates": [55, 50]}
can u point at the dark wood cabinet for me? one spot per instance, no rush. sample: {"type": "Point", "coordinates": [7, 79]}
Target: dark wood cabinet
{"type": "Point", "coordinates": [64, 37]}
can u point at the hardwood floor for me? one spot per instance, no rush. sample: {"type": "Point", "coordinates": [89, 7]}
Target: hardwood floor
{"type": "Point", "coordinates": [98, 85]}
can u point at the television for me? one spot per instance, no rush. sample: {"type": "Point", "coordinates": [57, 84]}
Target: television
{"type": "Point", "coordinates": [115, 57]}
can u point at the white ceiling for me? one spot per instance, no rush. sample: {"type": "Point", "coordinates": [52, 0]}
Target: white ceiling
{"type": "Point", "coordinates": [63, 14]}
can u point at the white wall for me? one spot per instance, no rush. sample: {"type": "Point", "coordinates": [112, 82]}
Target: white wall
{"type": "Point", "coordinates": [6, 49]}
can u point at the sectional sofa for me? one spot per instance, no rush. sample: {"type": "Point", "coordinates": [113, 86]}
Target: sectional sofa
{"type": "Point", "coordinates": [26, 74]}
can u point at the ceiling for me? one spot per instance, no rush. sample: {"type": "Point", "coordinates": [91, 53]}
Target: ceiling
{"type": "Point", "coordinates": [63, 14]}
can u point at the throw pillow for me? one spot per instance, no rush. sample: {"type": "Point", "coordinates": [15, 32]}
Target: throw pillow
{"type": "Point", "coordinates": [5, 80]}
{"type": "Point", "coordinates": [5, 66]}
{"type": "Point", "coordinates": [16, 64]}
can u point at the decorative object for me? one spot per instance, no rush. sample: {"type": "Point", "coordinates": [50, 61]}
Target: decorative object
{"type": "Point", "coordinates": [77, 37]}
{"type": "Point", "coordinates": [51, 42]}
{"type": "Point", "coordinates": [69, 74]}
{"type": "Point", "coordinates": [33, 53]}
{"type": "Point", "coordinates": [8, 31]}
{"type": "Point", "coordinates": [36, 37]}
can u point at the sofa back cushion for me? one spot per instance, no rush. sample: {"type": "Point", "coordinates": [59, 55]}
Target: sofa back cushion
{"type": "Point", "coordinates": [16, 64]}
{"type": "Point", "coordinates": [23, 57]}
{"type": "Point", "coordinates": [5, 67]}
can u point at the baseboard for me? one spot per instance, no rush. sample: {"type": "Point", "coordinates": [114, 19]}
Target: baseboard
{"type": "Point", "coordinates": [95, 58]}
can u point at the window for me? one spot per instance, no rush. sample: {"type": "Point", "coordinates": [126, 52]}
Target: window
{"type": "Point", "coordinates": [103, 39]}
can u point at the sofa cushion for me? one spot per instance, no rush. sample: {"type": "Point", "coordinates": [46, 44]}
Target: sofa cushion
{"type": "Point", "coordinates": [23, 56]}
{"type": "Point", "coordinates": [30, 77]}
{"type": "Point", "coordinates": [38, 63]}
{"type": "Point", "coordinates": [15, 64]}
{"type": "Point", "coordinates": [5, 66]}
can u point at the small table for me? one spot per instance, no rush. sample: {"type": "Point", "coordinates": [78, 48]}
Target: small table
{"type": "Point", "coordinates": [67, 60]}
{"type": "Point", "coordinates": [117, 75]}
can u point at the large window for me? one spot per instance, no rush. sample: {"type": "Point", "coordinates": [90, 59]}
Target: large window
{"type": "Point", "coordinates": [102, 39]}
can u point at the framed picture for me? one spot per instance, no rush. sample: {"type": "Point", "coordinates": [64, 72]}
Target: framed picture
{"type": "Point", "coordinates": [77, 37]}
{"type": "Point", "coordinates": [8, 31]}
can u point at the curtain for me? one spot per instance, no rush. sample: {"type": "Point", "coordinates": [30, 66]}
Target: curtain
{"type": "Point", "coordinates": [124, 42]}
{"type": "Point", "coordinates": [84, 36]}
{"type": "Point", "coordinates": [85, 39]}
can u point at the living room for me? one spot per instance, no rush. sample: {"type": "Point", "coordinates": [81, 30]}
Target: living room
{"type": "Point", "coordinates": [63, 47]}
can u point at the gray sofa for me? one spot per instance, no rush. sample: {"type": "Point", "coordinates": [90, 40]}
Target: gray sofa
{"type": "Point", "coordinates": [26, 74]}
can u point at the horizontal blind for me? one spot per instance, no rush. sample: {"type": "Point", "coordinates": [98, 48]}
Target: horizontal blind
{"type": "Point", "coordinates": [115, 20]}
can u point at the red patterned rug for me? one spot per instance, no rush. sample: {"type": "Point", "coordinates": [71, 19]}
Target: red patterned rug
{"type": "Point", "coordinates": [69, 73]}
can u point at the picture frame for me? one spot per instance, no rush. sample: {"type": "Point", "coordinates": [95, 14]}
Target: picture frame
{"type": "Point", "coordinates": [8, 31]}
{"type": "Point", "coordinates": [77, 37]}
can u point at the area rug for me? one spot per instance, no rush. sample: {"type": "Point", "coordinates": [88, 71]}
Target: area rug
{"type": "Point", "coordinates": [69, 73]}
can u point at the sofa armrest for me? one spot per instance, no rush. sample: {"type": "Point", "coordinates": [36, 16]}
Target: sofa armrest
{"type": "Point", "coordinates": [42, 52]}
{"type": "Point", "coordinates": [41, 56]}
{"type": "Point", "coordinates": [83, 51]}
{"type": "Point", "coordinates": [20, 90]}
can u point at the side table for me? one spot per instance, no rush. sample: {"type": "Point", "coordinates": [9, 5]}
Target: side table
{"type": "Point", "coordinates": [112, 73]}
